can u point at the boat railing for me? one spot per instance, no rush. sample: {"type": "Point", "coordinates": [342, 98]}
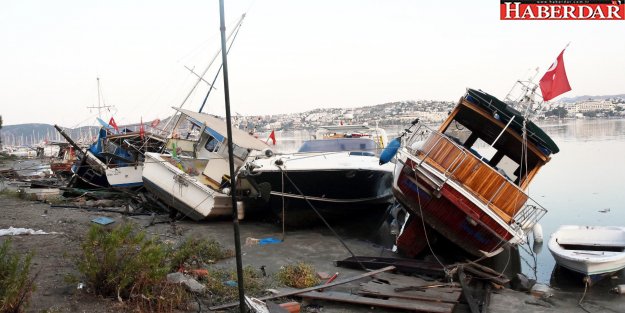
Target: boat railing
{"type": "Point", "coordinates": [457, 163]}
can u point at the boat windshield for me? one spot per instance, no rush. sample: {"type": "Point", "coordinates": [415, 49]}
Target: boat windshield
{"type": "Point", "coordinates": [338, 145]}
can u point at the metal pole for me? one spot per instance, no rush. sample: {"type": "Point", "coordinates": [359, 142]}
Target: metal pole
{"type": "Point", "coordinates": [233, 183]}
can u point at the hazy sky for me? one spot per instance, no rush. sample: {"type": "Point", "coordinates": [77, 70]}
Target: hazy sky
{"type": "Point", "coordinates": [290, 56]}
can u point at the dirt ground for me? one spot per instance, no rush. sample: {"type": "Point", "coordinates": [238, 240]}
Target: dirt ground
{"type": "Point", "coordinates": [54, 256]}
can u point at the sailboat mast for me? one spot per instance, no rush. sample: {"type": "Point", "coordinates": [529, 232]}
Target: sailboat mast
{"type": "Point", "coordinates": [233, 183]}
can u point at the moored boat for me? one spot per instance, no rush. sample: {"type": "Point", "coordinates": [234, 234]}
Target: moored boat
{"type": "Point", "coordinates": [477, 200]}
{"type": "Point", "coordinates": [593, 251]}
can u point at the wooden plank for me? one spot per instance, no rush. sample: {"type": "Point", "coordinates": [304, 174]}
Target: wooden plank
{"type": "Point", "coordinates": [403, 265]}
{"type": "Point", "coordinates": [299, 291]}
{"type": "Point", "coordinates": [496, 278]}
{"type": "Point", "coordinates": [443, 294]}
{"type": "Point", "coordinates": [412, 305]}
{"type": "Point", "coordinates": [467, 292]}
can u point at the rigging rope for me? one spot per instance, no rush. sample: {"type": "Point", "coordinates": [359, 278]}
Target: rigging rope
{"type": "Point", "coordinates": [321, 217]}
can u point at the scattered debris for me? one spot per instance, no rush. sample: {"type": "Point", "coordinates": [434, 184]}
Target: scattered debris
{"type": "Point", "coordinates": [249, 241]}
{"type": "Point", "coordinates": [13, 231]}
{"type": "Point", "coordinates": [300, 291]}
{"type": "Point", "coordinates": [409, 266]}
{"type": "Point", "coordinates": [103, 220]}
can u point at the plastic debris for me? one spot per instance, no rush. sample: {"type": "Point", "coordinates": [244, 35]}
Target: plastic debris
{"type": "Point", "coordinates": [103, 220]}
{"type": "Point", "coordinates": [269, 240]}
{"type": "Point", "coordinates": [15, 231]}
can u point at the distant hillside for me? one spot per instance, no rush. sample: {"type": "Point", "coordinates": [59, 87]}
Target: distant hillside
{"type": "Point", "coordinates": [586, 97]}
{"type": "Point", "coordinates": [29, 134]}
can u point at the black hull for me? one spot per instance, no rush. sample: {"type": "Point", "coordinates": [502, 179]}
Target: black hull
{"type": "Point", "coordinates": [336, 194]}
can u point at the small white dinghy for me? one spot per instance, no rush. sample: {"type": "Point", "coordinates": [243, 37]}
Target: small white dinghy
{"type": "Point", "coordinates": [593, 251]}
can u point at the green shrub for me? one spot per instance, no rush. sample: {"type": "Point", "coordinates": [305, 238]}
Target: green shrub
{"type": "Point", "coordinates": [113, 260]}
{"type": "Point", "coordinates": [198, 251]}
{"type": "Point", "coordinates": [300, 275]}
{"type": "Point", "coordinates": [16, 285]}
{"type": "Point", "coordinates": [125, 264]}
{"type": "Point", "coordinates": [222, 292]}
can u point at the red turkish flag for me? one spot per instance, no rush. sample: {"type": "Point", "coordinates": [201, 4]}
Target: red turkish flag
{"type": "Point", "coordinates": [272, 136]}
{"type": "Point", "coordinates": [141, 129]}
{"type": "Point", "coordinates": [112, 123]}
{"type": "Point", "coordinates": [554, 82]}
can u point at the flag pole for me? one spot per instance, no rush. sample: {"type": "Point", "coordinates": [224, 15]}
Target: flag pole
{"type": "Point", "coordinates": [233, 184]}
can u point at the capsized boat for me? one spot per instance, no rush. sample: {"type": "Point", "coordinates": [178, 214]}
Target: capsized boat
{"type": "Point", "coordinates": [467, 180]}
{"type": "Point", "coordinates": [593, 251]}
{"type": "Point", "coordinates": [114, 159]}
{"type": "Point", "coordinates": [194, 178]}
{"type": "Point", "coordinates": [338, 173]}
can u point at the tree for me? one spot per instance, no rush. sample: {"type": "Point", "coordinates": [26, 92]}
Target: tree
{"type": "Point", "coordinates": [0, 131]}
{"type": "Point", "coordinates": [559, 112]}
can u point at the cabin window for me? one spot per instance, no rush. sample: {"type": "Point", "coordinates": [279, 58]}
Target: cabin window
{"type": "Point", "coordinates": [212, 144]}
{"type": "Point", "coordinates": [240, 152]}
{"type": "Point", "coordinates": [507, 167]}
{"type": "Point", "coordinates": [458, 132]}
{"type": "Point", "coordinates": [482, 150]}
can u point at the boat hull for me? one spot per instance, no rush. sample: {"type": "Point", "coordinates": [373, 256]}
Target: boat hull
{"type": "Point", "coordinates": [449, 212]}
{"type": "Point", "coordinates": [182, 191]}
{"type": "Point", "coordinates": [335, 192]}
{"type": "Point", "coordinates": [125, 177]}
{"type": "Point", "coordinates": [593, 251]}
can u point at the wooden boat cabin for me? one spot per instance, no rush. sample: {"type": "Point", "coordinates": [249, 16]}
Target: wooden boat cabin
{"type": "Point", "coordinates": [478, 164]}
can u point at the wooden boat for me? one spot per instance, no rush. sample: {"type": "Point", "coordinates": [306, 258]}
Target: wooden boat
{"type": "Point", "coordinates": [476, 200]}
{"type": "Point", "coordinates": [62, 164]}
{"type": "Point", "coordinates": [338, 173]}
{"type": "Point", "coordinates": [593, 251]}
{"type": "Point", "coordinates": [194, 178]}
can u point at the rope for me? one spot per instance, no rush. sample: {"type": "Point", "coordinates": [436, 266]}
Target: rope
{"type": "Point", "coordinates": [321, 217]}
{"type": "Point", "coordinates": [586, 283]}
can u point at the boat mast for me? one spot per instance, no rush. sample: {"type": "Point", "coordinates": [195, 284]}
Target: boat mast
{"type": "Point", "coordinates": [233, 183]}
{"type": "Point", "coordinates": [211, 63]}
{"type": "Point", "coordinates": [101, 104]}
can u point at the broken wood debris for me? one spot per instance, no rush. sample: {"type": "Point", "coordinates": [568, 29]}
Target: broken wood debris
{"type": "Point", "coordinates": [300, 291]}
{"type": "Point", "coordinates": [381, 291]}
{"type": "Point", "coordinates": [422, 306]}
{"type": "Point", "coordinates": [408, 266]}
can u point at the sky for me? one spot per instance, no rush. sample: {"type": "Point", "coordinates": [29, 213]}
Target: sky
{"type": "Point", "coordinates": [289, 56]}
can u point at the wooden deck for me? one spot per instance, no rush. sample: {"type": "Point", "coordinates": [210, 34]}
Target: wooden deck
{"type": "Point", "coordinates": [465, 168]}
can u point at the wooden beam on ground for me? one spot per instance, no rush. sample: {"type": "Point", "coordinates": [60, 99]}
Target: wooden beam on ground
{"type": "Point", "coordinates": [300, 291]}
{"type": "Point", "coordinates": [467, 292]}
{"type": "Point", "coordinates": [403, 304]}
{"type": "Point", "coordinates": [444, 295]}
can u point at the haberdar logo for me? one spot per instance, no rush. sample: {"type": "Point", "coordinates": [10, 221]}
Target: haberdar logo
{"type": "Point", "coordinates": [562, 10]}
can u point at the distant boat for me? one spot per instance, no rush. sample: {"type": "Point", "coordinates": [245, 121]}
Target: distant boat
{"type": "Point", "coordinates": [594, 251]}
{"type": "Point", "coordinates": [61, 165]}
{"type": "Point", "coordinates": [477, 200]}
{"type": "Point", "coordinates": [338, 172]}
{"type": "Point", "coordinates": [194, 178]}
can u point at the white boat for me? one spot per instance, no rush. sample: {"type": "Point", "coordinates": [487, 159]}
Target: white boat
{"type": "Point", "coordinates": [593, 251]}
{"type": "Point", "coordinates": [338, 172]}
{"type": "Point", "coordinates": [194, 179]}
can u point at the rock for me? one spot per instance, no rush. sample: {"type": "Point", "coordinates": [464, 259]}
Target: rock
{"type": "Point", "coordinates": [194, 286]}
{"type": "Point", "coordinates": [188, 282]}
{"type": "Point", "coordinates": [541, 290]}
{"type": "Point", "coordinates": [520, 282]}
{"type": "Point", "coordinates": [176, 278]}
